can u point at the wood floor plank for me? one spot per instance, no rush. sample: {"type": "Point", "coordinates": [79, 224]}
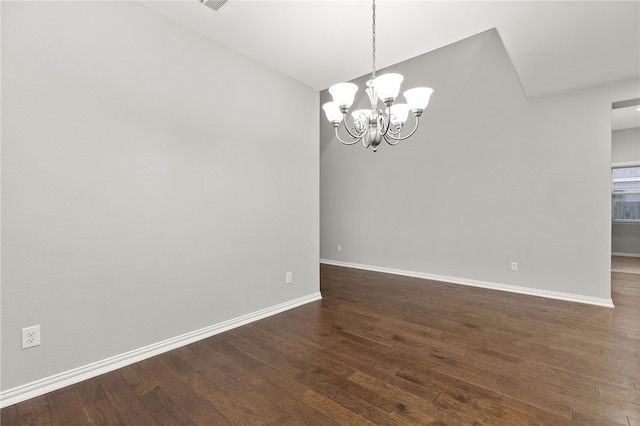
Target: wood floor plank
{"type": "Point", "coordinates": [123, 396]}
{"type": "Point", "coordinates": [34, 411]}
{"type": "Point", "coordinates": [213, 386]}
{"type": "Point", "coordinates": [278, 388]}
{"type": "Point", "coordinates": [334, 410]}
{"type": "Point", "coordinates": [180, 392]}
{"type": "Point", "coordinates": [383, 349]}
{"type": "Point", "coordinates": [328, 385]}
{"type": "Point", "coordinates": [140, 380]}
{"type": "Point", "coordinates": [66, 408]}
{"type": "Point", "coordinates": [95, 404]}
{"type": "Point", "coordinates": [242, 369]}
{"type": "Point", "coordinates": [165, 410]}
{"type": "Point", "coordinates": [9, 416]}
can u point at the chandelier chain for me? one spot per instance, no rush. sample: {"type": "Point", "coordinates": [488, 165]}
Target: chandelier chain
{"type": "Point", "coordinates": [373, 43]}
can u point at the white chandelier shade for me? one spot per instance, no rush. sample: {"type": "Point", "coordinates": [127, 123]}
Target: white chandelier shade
{"type": "Point", "coordinates": [418, 97]}
{"type": "Point", "coordinates": [372, 126]}
{"type": "Point", "coordinates": [343, 94]}
{"type": "Point", "coordinates": [332, 112]}
{"type": "Point", "coordinates": [388, 86]}
{"type": "Point", "coordinates": [417, 101]}
{"type": "Point", "coordinates": [400, 114]}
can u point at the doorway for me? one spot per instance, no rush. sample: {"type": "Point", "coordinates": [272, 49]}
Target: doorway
{"type": "Point", "coordinates": [625, 185]}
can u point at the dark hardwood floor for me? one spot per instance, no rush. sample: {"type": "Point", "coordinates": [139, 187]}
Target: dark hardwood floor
{"type": "Point", "coordinates": [385, 350]}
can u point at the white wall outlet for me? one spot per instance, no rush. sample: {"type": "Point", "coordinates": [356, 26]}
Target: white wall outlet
{"type": "Point", "coordinates": [289, 278]}
{"type": "Point", "coordinates": [514, 266]}
{"type": "Point", "coordinates": [339, 247]}
{"type": "Point", "coordinates": [30, 337]}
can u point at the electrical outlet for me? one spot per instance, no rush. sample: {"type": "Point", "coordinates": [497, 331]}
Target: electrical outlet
{"type": "Point", "coordinates": [339, 247]}
{"type": "Point", "coordinates": [30, 337]}
{"type": "Point", "coordinates": [289, 278]}
{"type": "Point", "coordinates": [514, 266]}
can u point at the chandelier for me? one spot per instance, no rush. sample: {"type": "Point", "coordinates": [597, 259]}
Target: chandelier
{"type": "Point", "coordinates": [373, 125]}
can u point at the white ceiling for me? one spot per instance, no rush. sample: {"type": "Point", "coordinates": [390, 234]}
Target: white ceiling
{"type": "Point", "coordinates": [555, 46]}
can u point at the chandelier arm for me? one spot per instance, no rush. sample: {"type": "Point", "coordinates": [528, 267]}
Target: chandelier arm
{"type": "Point", "coordinates": [355, 141]}
{"type": "Point", "coordinates": [405, 137]}
{"type": "Point", "coordinates": [389, 142]}
{"type": "Point", "coordinates": [357, 135]}
{"type": "Point", "coordinates": [394, 133]}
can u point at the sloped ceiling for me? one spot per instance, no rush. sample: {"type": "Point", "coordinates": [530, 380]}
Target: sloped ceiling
{"type": "Point", "coordinates": [625, 118]}
{"type": "Point", "coordinates": [555, 46]}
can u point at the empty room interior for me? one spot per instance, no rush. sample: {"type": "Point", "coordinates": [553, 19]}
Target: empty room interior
{"type": "Point", "coordinates": [320, 212]}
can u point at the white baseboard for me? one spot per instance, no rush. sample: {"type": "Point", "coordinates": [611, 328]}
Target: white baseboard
{"type": "Point", "coordinates": [58, 381]}
{"type": "Point", "coordinates": [483, 284]}
{"type": "Point", "coordinates": [626, 254]}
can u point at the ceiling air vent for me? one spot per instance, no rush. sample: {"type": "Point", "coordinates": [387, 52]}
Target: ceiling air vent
{"type": "Point", "coordinates": [213, 4]}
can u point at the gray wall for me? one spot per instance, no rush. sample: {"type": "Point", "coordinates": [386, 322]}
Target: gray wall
{"type": "Point", "coordinates": [625, 148]}
{"type": "Point", "coordinates": [489, 178]}
{"type": "Point", "coordinates": [141, 198]}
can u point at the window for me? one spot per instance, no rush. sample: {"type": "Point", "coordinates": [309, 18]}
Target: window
{"type": "Point", "coordinates": [626, 194]}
